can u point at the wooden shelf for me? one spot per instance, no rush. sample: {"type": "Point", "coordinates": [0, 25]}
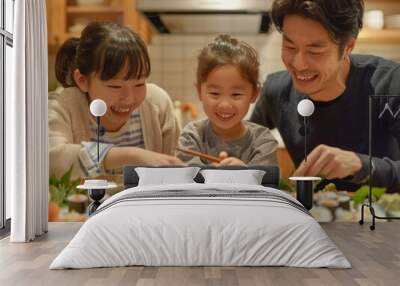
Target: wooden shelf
{"type": "Point", "coordinates": [72, 34]}
{"type": "Point", "coordinates": [94, 10]}
{"type": "Point", "coordinates": [62, 14]}
{"type": "Point", "coordinates": [381, 1]}
{"type": "Point", "coordinates": [389, 7]}
{"type": "Point", "coordinates": [385, 36]}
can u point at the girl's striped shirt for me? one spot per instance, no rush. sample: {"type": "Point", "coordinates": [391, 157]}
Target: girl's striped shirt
{"type": "Point", "coordinates": [130, 134]}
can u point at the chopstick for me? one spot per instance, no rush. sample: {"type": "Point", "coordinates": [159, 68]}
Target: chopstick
{"type": "Point", "coordinates": [201, 155]}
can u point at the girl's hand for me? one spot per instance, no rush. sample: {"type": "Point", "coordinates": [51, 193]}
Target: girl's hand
{"type": "Point", "coordinates": [226, 160]}
{"type": "Point", "coordinates": [223, 155]}
{"type": "Point", "coordinates": [117, 157]}
{"type": "Point", "coordinates": [148, 157]}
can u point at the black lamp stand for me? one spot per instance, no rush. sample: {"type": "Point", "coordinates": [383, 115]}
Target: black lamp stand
{"type": "Point", "coordinates": [305, 138]}
{"type": "Point", "coordinates": [369, 204]}
{"type": "Point", "coordinates": [304, 193]}
{"type": "Point", "coordinates": [96, 194]}
{"type": "Point", "coordinates": [304, 188]}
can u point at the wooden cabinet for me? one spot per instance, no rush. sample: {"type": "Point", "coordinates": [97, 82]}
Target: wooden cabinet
{"type": "Point", "coordinates": [65, 18]}
{"type": "Point", "coordinates": [388, 35]}
{"type": "Point", "coordinates": [384, 36]}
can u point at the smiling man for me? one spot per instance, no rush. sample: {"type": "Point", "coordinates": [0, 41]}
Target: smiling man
{"type": "Point", "coordinates": [318, 38]}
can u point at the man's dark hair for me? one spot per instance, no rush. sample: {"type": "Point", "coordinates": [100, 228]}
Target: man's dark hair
{"type": "Point", "coordinates": [342, 18]}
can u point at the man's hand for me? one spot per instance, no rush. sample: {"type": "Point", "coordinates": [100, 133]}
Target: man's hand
{"type": "Point", "coordinates": [329, 162]}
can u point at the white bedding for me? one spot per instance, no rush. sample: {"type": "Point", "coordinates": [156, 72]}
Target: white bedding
{"type": "Point", "coordinates": [189, 230]}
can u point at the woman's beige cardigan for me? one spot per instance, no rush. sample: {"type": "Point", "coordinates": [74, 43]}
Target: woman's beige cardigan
{"type": "Point", "coordinates": [69, 125]}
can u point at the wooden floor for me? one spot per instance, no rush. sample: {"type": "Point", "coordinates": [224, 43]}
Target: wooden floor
{"type": "Point", "coordinates": [374, 255]}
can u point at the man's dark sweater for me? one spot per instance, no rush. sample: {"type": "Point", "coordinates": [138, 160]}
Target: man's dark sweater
{"type": "Point", "coordinates": [343, 122]}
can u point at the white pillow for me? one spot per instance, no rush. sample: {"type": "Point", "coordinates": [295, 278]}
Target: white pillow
{"type": "Point", "coordinates": [248, 177]}
{"type": "Point", "coordinates": [162, 176]}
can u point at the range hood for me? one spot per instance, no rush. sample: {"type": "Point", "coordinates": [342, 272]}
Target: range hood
{"type": "Point", "coordinates": [207, 16]}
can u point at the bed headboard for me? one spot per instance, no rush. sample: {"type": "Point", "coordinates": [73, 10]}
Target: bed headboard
{"type": "Point", "coordinates": [270, 179]}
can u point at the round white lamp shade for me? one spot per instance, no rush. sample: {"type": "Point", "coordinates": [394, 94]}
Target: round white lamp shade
{"type": "Point", "coordinates": [98, 107]}
{"type": "Point", "coordinates": [305, 107]}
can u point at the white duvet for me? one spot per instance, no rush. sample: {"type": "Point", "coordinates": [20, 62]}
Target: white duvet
{"type": "Point", "coordinates": [185, 230]}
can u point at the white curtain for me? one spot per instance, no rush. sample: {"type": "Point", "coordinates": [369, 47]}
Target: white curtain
{"type": "Point", "coordinates": [26, 124]}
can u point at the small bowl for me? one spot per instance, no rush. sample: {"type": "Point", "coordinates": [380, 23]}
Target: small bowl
{"type": "Point", "coordinates": [96, 183]}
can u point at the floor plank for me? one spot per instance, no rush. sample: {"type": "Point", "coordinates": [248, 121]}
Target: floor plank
{"type": "Point", "coordinates": [374, 255]}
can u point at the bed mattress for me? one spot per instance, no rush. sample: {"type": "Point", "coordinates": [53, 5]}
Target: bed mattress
{"type": "Point", "coordinates": [201, 225]}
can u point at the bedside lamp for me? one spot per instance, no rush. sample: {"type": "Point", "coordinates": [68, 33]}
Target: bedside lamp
{"type": "Point", "coordinates": [304, 185]}
{"type": "Point", "coordinates": [305, 108]}
{"type": "Point", "coordinates": [97, 188]}
{"type": "Point", "coordinates": [98, 108]}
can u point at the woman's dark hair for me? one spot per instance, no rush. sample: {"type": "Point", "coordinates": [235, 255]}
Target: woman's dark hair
{"type": "Point", "coordinates": [342, 18]}
{"type": "Point", "coordinates": [225, 50]}
{"type": "Point", "coordinates": [104, 48]}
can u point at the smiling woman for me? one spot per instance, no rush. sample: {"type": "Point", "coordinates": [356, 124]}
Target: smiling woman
{"type": "Point", "coordinates": [108, 62]}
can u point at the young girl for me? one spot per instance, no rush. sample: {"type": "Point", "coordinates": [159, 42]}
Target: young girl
{"type": "Point", "coordinates": [111, 63]}
{"type": "Point", "coordinates": [227, 83]}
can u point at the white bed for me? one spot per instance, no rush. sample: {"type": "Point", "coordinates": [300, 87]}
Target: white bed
{"type": "Point", "coordinates": [201, 224]}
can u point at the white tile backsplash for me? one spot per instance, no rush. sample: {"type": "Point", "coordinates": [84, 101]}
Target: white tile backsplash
{"type": "Point", "coordinates": [174, 92]}
{"type": "Point", "coordinates": [173, 40]}
{"type": "Point", "coordinates": [191, 52]}
{"type": "Point", "coordinates": [173, 66]}
{"type": "Point", "coordinates": [155, 52]}
{"type": "Point", "coordinates": [156, 77]}
{"type": "Point", "coordinates": [174, 80]}
{"type": "Point", "coordinates": [156, 65]}
{"type": "Point", "coordinates": [197, 40]}
{"type": "Point", "coordinates": [172, 52]}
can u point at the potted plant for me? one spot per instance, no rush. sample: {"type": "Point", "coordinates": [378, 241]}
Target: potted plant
{"type": "Point", "coordinates": [59, 190]}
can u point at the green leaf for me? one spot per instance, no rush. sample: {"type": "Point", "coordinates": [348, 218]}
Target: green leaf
{"type": "Point", "coordinates": [61, 188]}
{"type": "Point", "coordinates": [331, 187]}
{"type": "Point", "coordinates": [284, 185]}
{"type": "Point", "coordinates": [362, 194]}
{"type": "Point", "coordinates": [53, 181]}
{"type": "Point", "coordinates": [75, 183]}
{"type": "Point", "coordinates": [65, 179]}
{"type": "Point", "coordinates": [56, 195]}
